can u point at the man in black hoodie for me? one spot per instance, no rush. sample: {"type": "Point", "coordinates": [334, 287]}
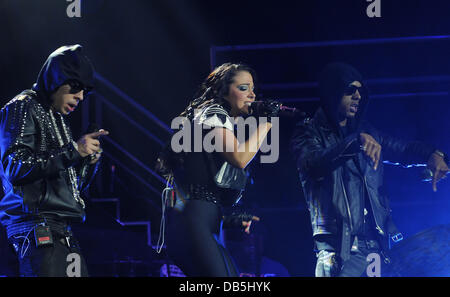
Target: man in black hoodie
{"type": "Point", "coordinates": [339, 157]}
{"type": "Point", "coordinates": [44, 170]}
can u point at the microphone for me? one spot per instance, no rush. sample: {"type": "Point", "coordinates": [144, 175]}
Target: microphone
{"type": "Point", "coordinates": [93, 127]}
{"type": "Point", "coordinates": [291, 110]}
{"type": "Point", "coordinates": [284, 110]}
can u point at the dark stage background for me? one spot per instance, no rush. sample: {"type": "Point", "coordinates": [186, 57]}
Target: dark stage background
{"type": "Point", "coordinates": [150, 56]}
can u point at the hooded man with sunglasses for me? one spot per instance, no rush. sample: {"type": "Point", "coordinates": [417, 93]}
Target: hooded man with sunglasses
{"type": "Point", "coordinates": [339, 157]}
{"type": "Point", "coordinates": [44, 170]}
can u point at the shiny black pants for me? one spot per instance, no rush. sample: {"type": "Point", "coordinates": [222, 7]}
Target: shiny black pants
{"type": "Point", "coordinates": [193, 241]}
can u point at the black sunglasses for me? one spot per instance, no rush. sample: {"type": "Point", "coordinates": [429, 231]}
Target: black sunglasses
{"type": "Point", "coordinates": [351, 89]}
{"type": "Point", "coordinates": [76, 87]}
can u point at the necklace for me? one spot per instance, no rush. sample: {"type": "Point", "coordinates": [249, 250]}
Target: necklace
{"type": "Point", "coordinates": [72, 173]}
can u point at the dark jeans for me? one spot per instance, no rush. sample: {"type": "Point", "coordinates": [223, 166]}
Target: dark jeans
{"type": "Point", "coordinates": [61, 259]}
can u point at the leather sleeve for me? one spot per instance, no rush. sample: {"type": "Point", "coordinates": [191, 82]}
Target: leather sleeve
{"type": "Point", "coordinates": [315, 160]}
{"type": "Point", "coordinates": [407, 153]}
{"type": "Point", "coordinates": [85, 170]}
{"type": "Point", "coordinates": [20, 136]}
{"type": "Point", "coordinates": [86, 173]}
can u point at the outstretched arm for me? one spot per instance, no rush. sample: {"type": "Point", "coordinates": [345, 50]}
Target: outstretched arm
{"type": "Point", "coordinates": [414, 153]}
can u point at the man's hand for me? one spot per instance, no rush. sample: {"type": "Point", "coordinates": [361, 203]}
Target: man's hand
{"type": "Point", "coordinates": [89, 144]}
{"type": "Point", "coordinates": [439, 168]}
{"type": "Point", "coordinates": [371, 148]}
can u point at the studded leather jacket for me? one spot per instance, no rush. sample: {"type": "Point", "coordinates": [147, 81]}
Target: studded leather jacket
{"type": "Point", "coordinates": [36, 169]}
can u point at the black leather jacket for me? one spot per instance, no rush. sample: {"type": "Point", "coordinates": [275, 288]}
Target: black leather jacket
{"type": "Point", "coordinates": [35, 177]}
{"type": "Point", "coordinates": [35, 171]}
{"type": "Point", "coordinates": [320, 153]}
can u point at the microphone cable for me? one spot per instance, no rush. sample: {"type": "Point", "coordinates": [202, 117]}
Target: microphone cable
{"type": "Point", "coordinates": [165, 196]}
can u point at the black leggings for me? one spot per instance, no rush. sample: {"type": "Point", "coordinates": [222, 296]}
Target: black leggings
{"type": "Point", "coordinates": [192, 240]}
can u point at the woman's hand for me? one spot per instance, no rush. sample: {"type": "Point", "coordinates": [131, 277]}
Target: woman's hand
{"type": "Point", "coordinates": [241, 220]}
{"type": "Point", "coordinates": [247, 224]}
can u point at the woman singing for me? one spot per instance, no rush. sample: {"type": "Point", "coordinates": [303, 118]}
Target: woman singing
{"type": "Point", "coordinates": [206, 182]}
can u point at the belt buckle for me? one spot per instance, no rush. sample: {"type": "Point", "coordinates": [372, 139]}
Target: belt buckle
{"type": "Point", "coordinates": [397, 237]}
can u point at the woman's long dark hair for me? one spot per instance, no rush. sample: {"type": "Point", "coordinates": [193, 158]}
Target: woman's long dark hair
{"type": "Point", "coordinates": [216, 86]}
{"type": "Point", "coordinates": [213, 90]}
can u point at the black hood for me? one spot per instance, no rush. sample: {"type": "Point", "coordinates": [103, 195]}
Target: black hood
{"type": "Point", "coordinates": [333, 81]}
{"type": "Point", "coordinates": [65, 63]}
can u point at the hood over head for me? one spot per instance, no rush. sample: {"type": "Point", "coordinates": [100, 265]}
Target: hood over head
{"type": "Point", "coordinates": [333, 81]}
{"type": "Point", "coordinates": [65, 63]}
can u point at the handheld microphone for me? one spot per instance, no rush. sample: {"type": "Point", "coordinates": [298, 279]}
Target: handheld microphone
{"type": "Point", "coordinates": [93, 127]}
{"type": "Point", "coordinates": [284, 110]}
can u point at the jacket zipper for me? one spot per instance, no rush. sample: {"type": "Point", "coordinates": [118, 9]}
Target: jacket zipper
{"type": "Point", "coordinates": [373, 213]}
{"type": "Point", "coordinates": [387, 260]}
{"type": "Point", "coordinates": [347, 204]}
{"type": "Point", "coordinates": [345, 192]}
